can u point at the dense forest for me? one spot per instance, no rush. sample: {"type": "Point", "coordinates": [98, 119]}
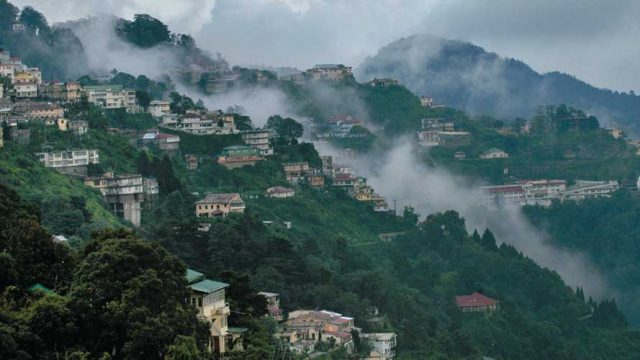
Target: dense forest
{"type": "Point", "coordinates": [607, 231]}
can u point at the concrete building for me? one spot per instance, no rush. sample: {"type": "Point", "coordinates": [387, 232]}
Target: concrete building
{"type": "Point", "coordinates": [169, 143]}
{"type": "Point", "coordinates": [79, 127]}
{"type": "Point", "coordinates": [67, 92]}
{"type": "Point", "coordinates": [26, 90]}
{"type": "Point", "coordinates": [444, 138]}
{"type": "Point", "coordinates": [295, 172]}
{"type": "Point", "coordinates": [384, 344]}
{"type": "Point", "coordinates": [159, 108]}
{"type": "Point", "coordinates": [330, 72]}
{"type": "Point", "coordinates": [386, 82]}
{"type": "Point", "coordinates": [219, 205]}
{"type": "Point", "coordinates": [208, 298]}
{"type": "Point", "coordinates": [280, 192]}
{"type": "Point", "coordinates": [236, 156]}
{"type": "Point", "coordinates": [438, 124]}
{"type": "Point", "coordinates": [111, 97]}
{"type": "Point", "coordinates": [38, 110]}
{"type": "Point", "coordinates": [200, 122]}
{"type": "Point", "coordinates": [72, 162]}
{"type": "Point", "coordinates": [258, 139]}
{"type": "Point", "coordinates": [123, 193]}
{"type": "Point", "coordinates": [273, 304]}
{"type": "Point", "coordinates": [314, 326]}
{"type": "Point", "coordinates": [494, 153]}
{"type": "Point", "coordinates": [583, 189]}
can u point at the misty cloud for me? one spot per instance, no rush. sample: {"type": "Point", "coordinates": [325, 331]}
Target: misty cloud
{"type": "Point", "coordinates": [399, 176]}
{"type": "Point", "coordinates": [180, 15]}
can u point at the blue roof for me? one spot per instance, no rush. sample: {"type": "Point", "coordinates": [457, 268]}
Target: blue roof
{"type": "Point", "coordinates": [207, 286]}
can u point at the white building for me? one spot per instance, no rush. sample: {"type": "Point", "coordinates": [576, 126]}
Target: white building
{"type": "Point", "coordinates": [158, 108]}
{"type": "Point", "coordinates": [332, 72]}
{"type": "Point", "coordinates": [384, 344]}
{"type": "Point", "coordinates": [584, 189]}
{"type": "Point", "coordinates": [494, 153]}
{"type": "Point", "coordinates": [68, 158]}
{"type": "Point", "coordinates": [258, 139]}
{"type": "Point", "coordinates": [280, 192]}
{"type": "Point", "coordinates": [26, 90]}
{"type": "Point", "coordinates": [111, 97]}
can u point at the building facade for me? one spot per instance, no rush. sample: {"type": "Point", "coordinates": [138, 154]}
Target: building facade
{"type": "Point", "coordinates": [73, 162]}
{"type": "Point", "coordinates": [219, 205]}
{"type": "Point", "coordinates": [123, 193]}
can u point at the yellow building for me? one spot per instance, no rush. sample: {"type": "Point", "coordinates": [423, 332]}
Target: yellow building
{"type": "Point", "coordinates": [208, 297]}
{"type": "Point", "coordinates": [219, 205]}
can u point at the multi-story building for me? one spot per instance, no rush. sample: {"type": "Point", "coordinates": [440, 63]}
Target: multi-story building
{"type": "Point", "coordinates": [219, 205]}
{"type": "Point", "coordinates": [159, 108]}
{"type": "Point", "coordinates": [331, 72]}
{"type": "Point", "coordinates": [543, 192]}
{"type": "Point", "coordinates": [258, 139]}
{"type": "Point", "coordinates": [26, 90]}
{"type": "Point", "coordinates": [73, 162]}
{"type": "Point", "coordinates": [280, 192]}
{"type": "Point", "coordinates": [111, 97]}
{"type": "Point", "coordinates": [169, 143]}
{"type": "Point", "coordinates": [38, 110]}
{"type": "Point", "coordinates": [123, 194]}
{"type": "Point", "coordinates": [201, 123]}
{"type": "Point", "coordinates": [27, 76]}
{"type": "Point", "coordinates": [236, 156]}
{"type": "Point", "coordinates": [68, 92]}
{"type": "Point", "coordinates": [208, 298]}
{"type": "Point", "coordinates": [273, 304]}
{"type": "Point", "coordinates": [314, 326]}
{"type": "Point", "coordinates": [295, 172]}
{"type": "Point", "coordinates": [438, 124]}
{"type": "Point", "coordinates": [383, 344]}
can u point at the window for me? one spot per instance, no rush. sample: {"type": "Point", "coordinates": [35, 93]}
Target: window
{"type": "Point", "coordinates": [199, 302]}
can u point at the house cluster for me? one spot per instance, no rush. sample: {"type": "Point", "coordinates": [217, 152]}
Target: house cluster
{"type": "Point", "coordinates": [153, 138]}
{"type": "Point", "coordinates": [304, 330]}
{"type": "Point", "coordinates": [543, 192]}
{"type": "Point", "coordinates": [299, 172]}
{"type": "Point", "coordinates": [196, 122]}
{"type": "Point", "coordinates": [355, 186]}
{"type": "Point", "coordinates": [327, 72]}
{"type": "Point", "coordinates": [340, 126]}
{"type": "Point", "coordinates": [125, 193]}
{"type": "Point", "coordinates": [208, 298]}
{"type": "Point", "coordinates": [442, 132]}
{"type": "Point", "coordinates": [27, 84]}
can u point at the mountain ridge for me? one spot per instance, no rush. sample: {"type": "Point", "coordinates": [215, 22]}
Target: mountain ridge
{"type": "Point", "coordinates": [466, 76]}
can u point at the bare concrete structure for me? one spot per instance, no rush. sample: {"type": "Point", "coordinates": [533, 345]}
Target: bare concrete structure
{"type": "Point", "coordinates": [123, 194]}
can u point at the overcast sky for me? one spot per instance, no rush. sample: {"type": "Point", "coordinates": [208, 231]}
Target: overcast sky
{"type": "Point", "coordinates": [598, 41]}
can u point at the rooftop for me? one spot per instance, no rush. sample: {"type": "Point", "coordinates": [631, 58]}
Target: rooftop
{"type": "Point", "coordinates": [219, 198]}
{"type": "Point", "coordinates": [207, 286]}
{"type": "Point", "coordinates": [475, 299]}
{"type": "Point", "coordinates": [193, 276]}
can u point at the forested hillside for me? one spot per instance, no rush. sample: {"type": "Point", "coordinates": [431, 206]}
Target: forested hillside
{"type": "Point", "coordinates": [607, 230]}
{"type": "Point", "coordinates": [465, 76]}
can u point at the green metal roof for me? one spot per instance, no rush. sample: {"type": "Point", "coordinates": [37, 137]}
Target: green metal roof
{"type": "Point", "coordinates": [40, 287]}
{"type": "Point", "coordinates": [207, 286]}
{"type": "Point", "coordinates": [193, 276]}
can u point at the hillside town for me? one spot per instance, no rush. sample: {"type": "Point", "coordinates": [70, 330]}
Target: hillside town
{"type": "Point", "coordinates": [178, 230]}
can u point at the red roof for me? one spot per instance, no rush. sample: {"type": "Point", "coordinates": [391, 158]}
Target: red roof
{"type": "Point", "coordinates": [474, 300]}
